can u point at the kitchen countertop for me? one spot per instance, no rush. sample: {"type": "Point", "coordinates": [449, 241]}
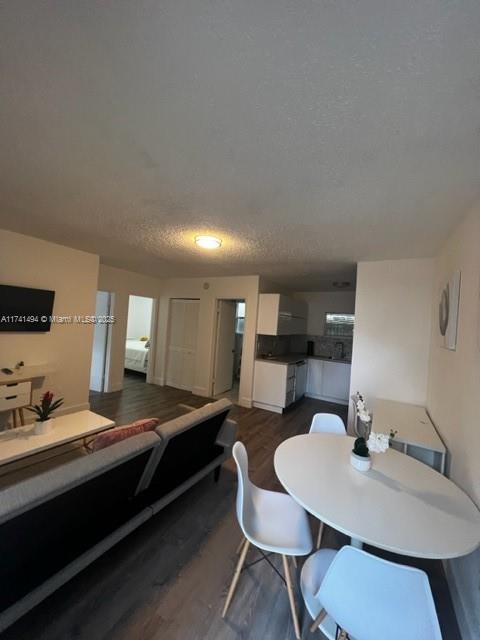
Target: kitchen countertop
{"type": "Point", "coordinates": [294, 357]}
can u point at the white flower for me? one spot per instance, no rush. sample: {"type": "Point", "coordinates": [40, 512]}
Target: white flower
{"type": "Point", "coordinates": [378, 442]}
{"type": "Point", "coordinates": [364, 415]}
{"type": "Point", "coordinates": [362, 411]}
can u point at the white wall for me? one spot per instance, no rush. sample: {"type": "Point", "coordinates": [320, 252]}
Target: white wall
{"type": "Point", "coordinates": [397, 354]}
{"type": "Point", "coordinates": [242, 287]}
{"type": "Point", "coordinates": [123, 284]}
{"type": "Point", "coordinates": [393, 310]}
{"type": "Point", "coordinates": [322, 302]}
{"type": "Point", "coordinates": [29, 262]}
{"type": "Point", "coordinates": [453, 400]}
{"type": "Point", "coordinates": [265, 285]}
{"type": "Point", "coordinates": [139, 317]}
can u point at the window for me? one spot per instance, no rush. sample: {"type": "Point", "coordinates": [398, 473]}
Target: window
{"type": "Point", "coordinates": [240, 317]}
{"type": "Point", "coordinates": [339, 324]}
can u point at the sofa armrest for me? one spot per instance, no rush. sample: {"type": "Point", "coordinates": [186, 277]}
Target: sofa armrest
{"type": "Point", "coordinates": [227, 434]}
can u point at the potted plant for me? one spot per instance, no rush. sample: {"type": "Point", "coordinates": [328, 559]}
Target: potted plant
{"type": "Point", "coordinates": [43, 423]}
{"type": "Point", "coordinates": [363, 415]}
{"type": "Point", "coordinates": [360, 455]}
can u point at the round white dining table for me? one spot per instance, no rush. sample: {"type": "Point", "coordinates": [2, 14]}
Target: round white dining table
{"type": "Point", "coordinates": [400, 504]}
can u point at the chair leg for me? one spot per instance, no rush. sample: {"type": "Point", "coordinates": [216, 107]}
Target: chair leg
{"type": "Point", "coordinates": [291, 596]}
{"type": "Point", "coordinates": [22, 417]}
{"type": "Point", "coordinates": [14, 414]}
{"type": "Point", "coordinates": [240, 546]}
{"type": "Point", "coordinates": [236, 576]}
{"type": "Point", "coordinates": [320, 534]}
{"type": "Point", "coordinates": [318, 620]}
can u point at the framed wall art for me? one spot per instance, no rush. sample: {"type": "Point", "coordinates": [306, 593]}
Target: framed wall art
{"type": "Point", "coordinates": [448, 311]}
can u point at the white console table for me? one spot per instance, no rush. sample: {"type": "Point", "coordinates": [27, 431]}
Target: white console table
{"type": "Point", "coordinates": [416, 435]}
{"type": "Point", "coordinates": [16, 388]}
{"type": "Point", "coordinates": [22, 442]}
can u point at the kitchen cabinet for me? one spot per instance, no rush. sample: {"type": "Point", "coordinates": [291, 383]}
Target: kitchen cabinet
{"type": "Point", "coordinates": [314, 377]}
{"type": "Point", "coordinates": [328, 380]}
{"type": "Point", "coordinates": [280, 315]}
{"type": "Point", "coordinates": [300, 379]}
{"type": "Point", "coordinates": [276, 385]}
{"type": "Point", "coordinates": [336, 380]}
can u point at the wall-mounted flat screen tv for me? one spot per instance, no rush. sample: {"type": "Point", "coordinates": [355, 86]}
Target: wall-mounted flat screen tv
{"type": "Point", "coordinates": [25, 309]}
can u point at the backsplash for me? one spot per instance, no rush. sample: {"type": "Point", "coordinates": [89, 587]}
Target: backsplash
{"type": "Point", "coordinates": [282, 345]}
{"type": "Point", "coordinates": [325, 346]}
{"type": "Point", "coordinates": [274, 345]}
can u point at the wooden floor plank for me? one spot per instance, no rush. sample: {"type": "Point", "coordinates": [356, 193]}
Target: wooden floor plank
{"type": "Point", "coordinates": [168, 580]}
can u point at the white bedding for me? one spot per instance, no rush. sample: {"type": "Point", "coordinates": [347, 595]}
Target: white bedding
{"type": "Point", "coordinates": [136, 356]}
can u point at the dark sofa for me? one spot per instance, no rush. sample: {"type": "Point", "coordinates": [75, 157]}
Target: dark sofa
{"type": "Point", "coordinates": [54, 524]}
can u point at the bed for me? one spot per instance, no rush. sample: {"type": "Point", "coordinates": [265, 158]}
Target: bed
{"type": "Point", "coordinates": [136, 355]}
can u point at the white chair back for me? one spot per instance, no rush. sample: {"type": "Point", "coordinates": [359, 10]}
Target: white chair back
{"type": "Point", "coordinates": [245, 506]}
{"type": "Point", "coordinates": [373, 599]}
{"type": "Point", "coordinates": [327, 423]}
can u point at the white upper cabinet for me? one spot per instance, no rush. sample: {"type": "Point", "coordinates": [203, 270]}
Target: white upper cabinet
{"type": "Point", "coordinates": [279, 315]}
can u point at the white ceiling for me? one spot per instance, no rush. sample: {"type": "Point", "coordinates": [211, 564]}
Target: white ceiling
{"type": "Point", "coordinates": [309, 134]}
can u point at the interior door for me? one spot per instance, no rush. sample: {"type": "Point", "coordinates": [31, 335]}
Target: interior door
{"type": "Point", "coordinates": [182, 344]}
{"type": "Point", "coordinates": [224, 347]}
{"type": "Point", "coordinates": [100, 338]}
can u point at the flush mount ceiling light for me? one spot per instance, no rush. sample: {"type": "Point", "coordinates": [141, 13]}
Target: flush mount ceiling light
{"type": "Point", "coordinates": [208, 242]}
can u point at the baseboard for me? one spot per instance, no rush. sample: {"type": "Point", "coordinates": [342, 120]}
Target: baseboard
{"type": "Point", "coordinates": [462, 577]}
{"type": "Point", "coordinates": [267, 407]}
{"type": "Point", "coordinates": [72, 408]}
{"type": "Point", "coordinates": [115, 386]}
{"type": "Point", "coordinates": [160, 381]}
{"type": "Point", "coordinates": [200, 391]}
{"type": "Point", "coordinates": [85, 406]}
{"type": "Point", "coordinates": [179, 386]}
{"type": "Point", "coordinates": [245, 402]}
{"type": "Point", "coordinates": [326, 399]}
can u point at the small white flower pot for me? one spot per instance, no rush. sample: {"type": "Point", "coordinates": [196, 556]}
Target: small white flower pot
{"type": "Point", "coordinates": [360, 463]}
{"type": "Point", "coordinates": [43, 426]}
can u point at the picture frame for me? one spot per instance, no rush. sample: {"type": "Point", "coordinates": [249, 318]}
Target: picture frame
{"type": "Point", "coordinates": [448, 311]}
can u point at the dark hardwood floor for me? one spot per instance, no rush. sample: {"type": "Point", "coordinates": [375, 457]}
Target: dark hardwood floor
{"type": "Point", "coordinates": [168, 579]}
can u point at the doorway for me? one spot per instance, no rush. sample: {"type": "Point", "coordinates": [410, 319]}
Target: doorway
{"type": "Point", "coordinates": [139, 338]}
{"type": "Point", "coordinates": [100, 367]}
{"type": "Point", "coordinates": [230, 321]}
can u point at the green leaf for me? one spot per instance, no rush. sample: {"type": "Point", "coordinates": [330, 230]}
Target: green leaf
{"type": "Point", "coordinates": [55, 405]}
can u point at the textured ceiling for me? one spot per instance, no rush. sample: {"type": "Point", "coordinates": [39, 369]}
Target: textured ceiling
{"type": "Point", "coordinates": [308, 134]}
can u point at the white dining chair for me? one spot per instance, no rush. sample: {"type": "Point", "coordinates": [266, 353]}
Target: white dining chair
{"type": "Point", "coordinates": [326, 423]}
{"type": "Point", "coordinates": [271, 521]}
{"type": "Point", "coordinates": [367, 597]}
